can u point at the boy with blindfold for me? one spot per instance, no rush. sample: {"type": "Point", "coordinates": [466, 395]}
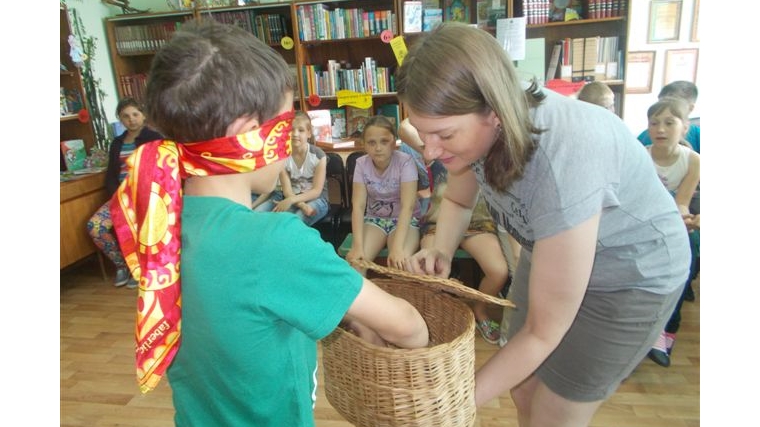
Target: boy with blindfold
{"type": "Point", "coordinates": [239, 342]}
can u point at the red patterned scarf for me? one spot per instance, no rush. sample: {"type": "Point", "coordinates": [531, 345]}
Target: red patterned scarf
{"type": "Point", "coordinates": [146, 212]}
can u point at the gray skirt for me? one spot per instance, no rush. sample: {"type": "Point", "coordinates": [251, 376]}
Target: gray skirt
{"type": "Point", "coordinates": [611, 334]}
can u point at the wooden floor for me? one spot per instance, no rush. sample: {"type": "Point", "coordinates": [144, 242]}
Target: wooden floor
{"type": "Point", "coordinates": [98, 386]}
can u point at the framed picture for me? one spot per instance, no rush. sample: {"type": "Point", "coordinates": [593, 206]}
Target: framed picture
{"type": "Point", "coordinates": [680, 64]}
{"type": "Point", "coordinates": [664, 20]}
{"type": "Point", "coordinates": [695, 22]}
{"type": "Point", "coordinates": [640, 67]}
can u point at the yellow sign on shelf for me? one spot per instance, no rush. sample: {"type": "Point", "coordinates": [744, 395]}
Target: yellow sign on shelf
{"type": "Point", "coordinates": [399, 48]}
{"type": "Point", "coordinates": [354, 99]}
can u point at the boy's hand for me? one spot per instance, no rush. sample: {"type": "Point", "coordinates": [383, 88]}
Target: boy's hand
{"type": "Point", "coordinates": [364, 333]}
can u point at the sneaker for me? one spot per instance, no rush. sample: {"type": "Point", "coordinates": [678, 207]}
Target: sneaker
{"type": "Point", "coordinates": [502, 341]}
{"type": "Point", "coordinates": [670, 341]}
{"type": "Point", "coordinates": [689, 294]}
{"type": "Point", "coordinates": [122, 277]}
{"type": "Point", "coordinates": [659, 352]}
{"type": "Point", "coordinates": [489, 330]}
{"type": "Point", "coordinates": [131, 283]}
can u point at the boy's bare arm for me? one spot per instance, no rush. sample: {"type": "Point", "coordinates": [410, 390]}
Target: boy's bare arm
{"type": "Point", "coordinates": [394, 319]}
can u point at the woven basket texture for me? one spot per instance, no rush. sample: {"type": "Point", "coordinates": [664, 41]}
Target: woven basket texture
{"type": "Point", "coordinates": [382, 386]}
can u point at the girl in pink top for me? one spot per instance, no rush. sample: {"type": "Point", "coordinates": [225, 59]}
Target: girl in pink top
{"type": "Point", "coordinates": [385, 204]}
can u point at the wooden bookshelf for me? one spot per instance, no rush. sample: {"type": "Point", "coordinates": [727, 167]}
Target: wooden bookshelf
{"type": "Point", "coordinates": [84, 194]}
{"type": "Point", "coordinates": [319, 37]}
{"type": "Point", "coordinates": [133, 39]}
{"type": "Point", "coordinates": [73, 88]}
{"type": "Point", "coordinates": [551, 32]}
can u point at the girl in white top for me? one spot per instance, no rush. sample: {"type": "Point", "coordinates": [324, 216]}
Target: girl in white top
{"type": "Point", "coordinates": [677, 165]}
{"type": "Point", "coordinates": [301, 186]}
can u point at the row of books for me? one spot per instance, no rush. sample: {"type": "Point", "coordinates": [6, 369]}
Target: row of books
{"type": "Point", "coordinates": [338, 127]}
{"type": "Point", "coordinates": [134, 85]}
{"type": "Point", "coordinates": [589, 58]}
{"type": "Point", "coordinates": [538, 11]}
{"type": "Point", "coordinates": [368, 78]}
{"type": "Point", "coordinates": [143, 38]}
{"type": "Point", "coordinates": [268, 27]}
{"type": "Point", "coordinates": [598, 9]}
{"type": "Point", "coordinates": [319, 22]}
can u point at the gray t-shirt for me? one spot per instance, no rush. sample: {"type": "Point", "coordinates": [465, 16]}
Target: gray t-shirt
{"type": "Point", "coordinates": [588, 161]}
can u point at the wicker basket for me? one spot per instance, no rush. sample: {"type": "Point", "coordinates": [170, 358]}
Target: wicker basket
{"type": "Point", "coordinates": [433, 386]}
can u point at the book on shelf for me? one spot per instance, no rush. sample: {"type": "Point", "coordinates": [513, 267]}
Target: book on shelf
{"type": "Point", "coordinates": [355, 120]}
{"type": "Point", "coordinates": [338, 121]}
{"type": "Point", "coordinates": [577, 46]}
{"type": "Point", "coordinates": [456, 10]}
{"type": "Point", "coordinates": [431, 17]}
{"type": "Point", "coordinates": [74, 154]}
{"type": "Point", "coordinates": [391, 111]}
{"type": "Point", "coordinates": [566, 67]}
{"type": "Point", "coordinates": [551, 70]}
{"type": "Point", "coordinates": [481, 12]}
{"type": "Point", "coordinates": [590, 56]}
{"type": "Point", "coordinates": [321, 124]}
{"type": "Point", "coordinates": [412, 16]}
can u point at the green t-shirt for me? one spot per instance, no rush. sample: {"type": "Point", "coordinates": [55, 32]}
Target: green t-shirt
{"type": "Point", "coordinates": [258, 290]}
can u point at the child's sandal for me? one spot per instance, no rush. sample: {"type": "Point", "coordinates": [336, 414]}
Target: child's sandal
{"type": "Point", "coordinates": [489, 330]}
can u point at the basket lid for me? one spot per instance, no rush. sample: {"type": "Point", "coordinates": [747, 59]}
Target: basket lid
{"type": "Point", "coordinates": [436, 283]}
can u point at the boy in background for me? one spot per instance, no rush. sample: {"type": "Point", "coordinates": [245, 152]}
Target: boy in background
{"type": "Point", "coordinates": [258, 289]}
{"type": "Point", "coordinates": [598, 93]}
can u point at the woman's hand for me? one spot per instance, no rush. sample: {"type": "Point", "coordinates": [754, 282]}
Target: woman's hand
{"type": "Point", "coordinates": [429, 262]}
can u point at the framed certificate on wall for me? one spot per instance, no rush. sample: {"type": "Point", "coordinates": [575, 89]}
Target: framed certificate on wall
{"type": "Point", "coordinates": [638, 77]}
{"type": "Point", "coordinates": [664, 20]}
{"type": "Point", "coordinates": [680, 64]}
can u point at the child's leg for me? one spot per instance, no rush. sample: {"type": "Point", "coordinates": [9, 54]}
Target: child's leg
{"type": "Point", "coordinates": [375, 240]}
{"type": "Point", "coordinates": [411, 241]}
{"type": "Point", "coordinates": [100, 228]}
{"type": "Point", "coordinates": [485, 248]}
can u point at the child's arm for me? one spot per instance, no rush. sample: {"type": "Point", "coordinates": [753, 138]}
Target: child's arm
{"type": "Point", "coordinates": [287, 193]}
{"type": "Point", "coordinates": [688, 185]}
{"type": "Point", "coordinates": [359, 203]}
{"type": "Point", "coordinates": [317, 185]}
{"type": "Point", "coordinates": [394, 319]}
{"type": "Point", "coordinates": [263, 197]}
{"type": "Point", "coordinates": [408, 195]}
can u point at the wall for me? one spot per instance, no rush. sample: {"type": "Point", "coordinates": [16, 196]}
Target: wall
{"type": "Point", "coordinates": [636, 105]}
